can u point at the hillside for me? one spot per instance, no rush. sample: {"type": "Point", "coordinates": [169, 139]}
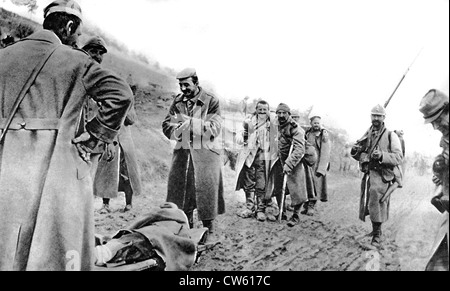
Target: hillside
{"type": "Point", "coordinates": [331, 240]}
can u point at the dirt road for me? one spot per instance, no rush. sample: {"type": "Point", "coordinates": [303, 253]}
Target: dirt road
{"type": "Point", "coordinates": [328, 241]}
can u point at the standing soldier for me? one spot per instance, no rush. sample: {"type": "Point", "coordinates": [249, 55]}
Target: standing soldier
{"type": "Point", "coordinates": [244, 106]}
{"type": "Point", "coordinates": [319, 138]}
{"type": "Point", "coordinates": [379, 153]}
{"type": "Point", "coordinates": [195, 177]}
{"type": "Point", "coordinates": [291, 149]}
{"type": "Point", "coordinates": [295, 116]}
{"type": "Point", "coordinates": [434, 106]}
{"type": "Point", "coordinates": [46, 196]}
{"type": "Point", "coordinates": [253, 164]}
{"type": "Point", "coordinates": [118, 169]}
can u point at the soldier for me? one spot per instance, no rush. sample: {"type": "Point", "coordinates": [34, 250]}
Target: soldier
{"type": "Point", "coordinates": [96, 48]}
{"type": "Point", "coordinates": [254, 160]}
{"type": "Point", "coordinates": [319, 138]}
{"type": "Point", "coordinates": [118, 169]}
{"type": "Point", "coordinates": [295, 115]}
{"type": "Point", "coordinates": [379, 153]}
{"type": "Point", "coordinates": [46, 197]}
{"type": "Point", "coordinates": [291, 149]}
{"type": "Point", "coordinates": [434, 106]}
{"type": "Point", "coordinates": [194, 121]}
{"type": "Point", "coordinates": [244, 106]}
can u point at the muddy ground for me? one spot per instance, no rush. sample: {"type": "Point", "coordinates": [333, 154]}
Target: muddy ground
{"type": "Point", "coordinates": [330, 240]}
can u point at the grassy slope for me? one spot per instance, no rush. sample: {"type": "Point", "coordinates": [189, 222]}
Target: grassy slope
{"type": "Point", "coordinates": [154, 94]}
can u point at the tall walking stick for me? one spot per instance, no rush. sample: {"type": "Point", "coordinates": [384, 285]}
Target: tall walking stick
{"type": "Point", "coordinates": [283, 189]}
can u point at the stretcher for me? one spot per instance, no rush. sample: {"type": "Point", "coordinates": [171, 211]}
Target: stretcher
{"type": "Point", "coordinates": [197, 234]}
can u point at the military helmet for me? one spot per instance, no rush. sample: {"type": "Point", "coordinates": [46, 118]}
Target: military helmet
{"type": "Point", "coordinates": [96, 41]}
{"type": "Point", "coordinates": [295, 113]}
{"type": "Point", "coordinates": [66, 6]}
{"type": "Point", "coordinates": [378, 110]}
{"type": "Point", "coordinates": [432, 105]}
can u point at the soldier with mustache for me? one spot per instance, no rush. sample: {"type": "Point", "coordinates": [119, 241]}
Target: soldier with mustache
{"type": "Point", "coordinates": [379, 153]}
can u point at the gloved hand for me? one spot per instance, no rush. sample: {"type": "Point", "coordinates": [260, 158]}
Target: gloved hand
{"type": "Point", "coordinates": [377, 155]}
{"type": "Point", "coordinates": [85, 144]}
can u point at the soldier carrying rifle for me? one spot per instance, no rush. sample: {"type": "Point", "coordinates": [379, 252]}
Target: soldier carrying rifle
{"type": "Point", "coordinates": [379, 154]}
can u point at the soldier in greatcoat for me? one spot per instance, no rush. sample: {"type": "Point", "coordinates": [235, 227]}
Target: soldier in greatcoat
{"type": "Point", "coordinates": [194, 122]}
{"type": "Point", "coordinates": [287, 164]}
{"type": "Point", "coordinates": [254, 160]}
{"type": "Point", "coordinates": [320, 139]}
{"type": "Point", "coordinates": [379, 153]}
{"type": "Point", "coordinates": [46, 196]}
{"type": "Point", "coordinates": [118, 168]}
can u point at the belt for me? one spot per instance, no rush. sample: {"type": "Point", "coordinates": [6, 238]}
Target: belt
{"type": "Point", "coordinates": [31, 123]}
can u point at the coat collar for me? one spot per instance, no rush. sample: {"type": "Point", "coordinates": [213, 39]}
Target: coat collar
{"type": "Point", "coordinates": [201, 97]}
{"type": "Point", "coordinates": [45, 35]}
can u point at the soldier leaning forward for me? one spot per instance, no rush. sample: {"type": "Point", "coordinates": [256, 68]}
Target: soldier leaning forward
{"type": "Point", "coordinates": [291, 150]}
{"type": "Point", "coordinates": [434, 106]}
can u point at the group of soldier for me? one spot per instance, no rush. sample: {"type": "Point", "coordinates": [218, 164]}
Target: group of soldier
{"type": "Point", "coordinates": [280, 158]}
{"type": "Point", "coordinates": [274, 162]}
{"type": "Point", "coordinates": [52, 142]}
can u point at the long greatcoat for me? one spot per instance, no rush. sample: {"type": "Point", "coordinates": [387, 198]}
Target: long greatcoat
{"type": "Point", "coordinates": [289, 134]}
{"type": "Point", "coordinates": [377, 183]}
{"type": "Point", "coordinates": [106, 180]}
{"type": "Point", "coordinates": [250, 148]}
{"type": "Point", "coordinates": [203, 189]}
{"type": "Point", "coordinates": [319, 186]}
{"type": "Point", "coordinates": [46, 197]}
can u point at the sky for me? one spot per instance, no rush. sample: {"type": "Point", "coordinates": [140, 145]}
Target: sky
{"type": "Point", "coordinates": [341, 56]}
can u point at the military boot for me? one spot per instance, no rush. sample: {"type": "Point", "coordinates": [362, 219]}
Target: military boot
{"type": "Point", "coordinates": [212, 233]}
{"type": "Point", "coordinates": [260, 209]}
{"type": "Point", "coordinates": [305, 208]}
{"type": "Point", "coordinates": [249, 210]}
{"type": "Point", "coordinates": [295, 219]}
{"type": "Point", "coordinates": [311, 208]}
{"type": "Point", "coordinates": [376, 234]}
{"type": "Point", "coordinates": [190, 217]}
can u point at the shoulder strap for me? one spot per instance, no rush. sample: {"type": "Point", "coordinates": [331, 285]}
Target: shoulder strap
{"type": "Point", "coordinates": [24, 91]}
{"type": "Point", "coordinates": [389, 138]}
{"type": "Point", "coordinates": [376, 143]}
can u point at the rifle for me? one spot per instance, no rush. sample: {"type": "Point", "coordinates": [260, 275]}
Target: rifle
{"type": "Point", "coordinates": [401, 80]}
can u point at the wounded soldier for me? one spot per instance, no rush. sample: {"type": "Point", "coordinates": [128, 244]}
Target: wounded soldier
{"type": "Point", "coordinates": [160, 241]}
